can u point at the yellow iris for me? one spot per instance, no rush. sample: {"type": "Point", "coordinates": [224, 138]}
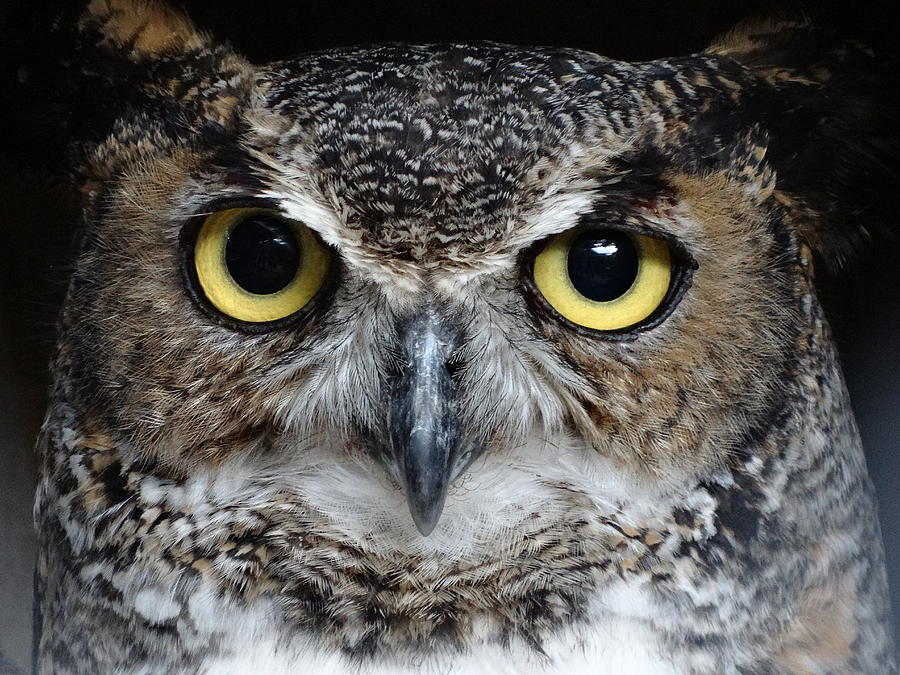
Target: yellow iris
{"type": "Point", "coordinates": [634, 305]}
{"type": "Point", "coordinates": [228, 296]}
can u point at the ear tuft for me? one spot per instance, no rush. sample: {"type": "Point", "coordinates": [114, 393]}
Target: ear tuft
{"type": "Point", "coordinates": [144, 29]}
{"type": "Point", "coordinates": [831, 109]}
{"type": "Point", "coordinates": [753, 38]}
{"type": "Point", "coordinates": [130, 78]}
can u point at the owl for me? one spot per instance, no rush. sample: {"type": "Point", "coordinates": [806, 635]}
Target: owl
{"type": "Point", "coordinates": [468, 359]}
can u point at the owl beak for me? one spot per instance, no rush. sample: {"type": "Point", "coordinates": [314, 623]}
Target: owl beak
{"type": "Point", "coordinates": [424, 431]}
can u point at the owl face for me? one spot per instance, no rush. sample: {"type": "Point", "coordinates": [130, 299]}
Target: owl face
{"type": "Point", "coordinates": [435, 263]}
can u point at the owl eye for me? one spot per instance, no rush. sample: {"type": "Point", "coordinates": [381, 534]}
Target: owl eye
{"type": "Point", "coordinates": [255, 266]}
{"type": "Point", "coordinates": [602, 278]}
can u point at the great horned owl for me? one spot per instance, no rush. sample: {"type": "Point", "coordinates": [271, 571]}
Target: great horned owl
{"type": "Point", "coordinates": [461, 359]}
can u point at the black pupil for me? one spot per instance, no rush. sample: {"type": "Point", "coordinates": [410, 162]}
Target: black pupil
{"type": "Point", "coordinates": [262, 254]}
{"type": "Point", "coordinates": [603, 264]}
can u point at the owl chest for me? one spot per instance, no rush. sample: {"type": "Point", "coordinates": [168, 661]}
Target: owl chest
{"type": "Point", "coordinates": [208, 592]}
{"type": "Point", "coordinates": [619, 633]}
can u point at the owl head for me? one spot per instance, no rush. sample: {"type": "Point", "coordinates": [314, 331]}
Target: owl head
{"type": "Point", "coordinates": [455, 275]}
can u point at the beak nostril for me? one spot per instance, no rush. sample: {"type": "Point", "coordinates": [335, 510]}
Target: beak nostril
{"type": "Point", "coordinates": [454, 367]}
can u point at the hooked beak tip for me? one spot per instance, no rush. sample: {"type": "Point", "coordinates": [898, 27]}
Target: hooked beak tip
{"type": "Point", "coordinates": [426, 526]}
{"type": "Point", "coordinates": [426, 476]}
{"type": "Point", "coordinates": [426, 512]}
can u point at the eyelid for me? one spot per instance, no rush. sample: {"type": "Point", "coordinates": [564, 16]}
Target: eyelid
{"type": "Point", "coordinates": [680, 252]}
{"type": "Point", "coordinates": [634, 224]}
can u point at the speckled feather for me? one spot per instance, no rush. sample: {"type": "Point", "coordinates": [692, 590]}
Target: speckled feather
{"type": "Point", "coordinates": [689, 498]}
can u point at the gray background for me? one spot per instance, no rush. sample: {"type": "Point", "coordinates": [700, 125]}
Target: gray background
{"type": "Point", "coordinates": [37, 216]}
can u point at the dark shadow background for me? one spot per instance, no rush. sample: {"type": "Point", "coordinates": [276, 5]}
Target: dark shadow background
{"type": "Point", "coordinates": [38, 212]}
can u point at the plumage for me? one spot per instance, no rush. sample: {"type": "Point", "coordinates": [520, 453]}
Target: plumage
{"type": "Point", "coordinates": [686, 494]}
